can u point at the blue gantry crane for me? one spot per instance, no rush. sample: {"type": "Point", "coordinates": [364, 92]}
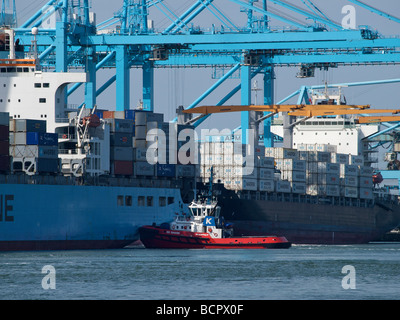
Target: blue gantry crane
{"type": "Point", "coordinates": [309, 42]}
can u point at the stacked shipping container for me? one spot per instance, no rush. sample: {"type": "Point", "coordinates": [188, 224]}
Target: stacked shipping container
{"type": "Point", "coordinates": [4, 142]}
{"type": "Point", "coordinates": [121, 135]}
{"type": "Point", "coordinates": [313, 170]}
{"type": "Point", "coordinates": [135, 145]}
{"type": "Point", "coordinates": [33, 150]}
{"type": "Point", "coordinates": [236, 166]}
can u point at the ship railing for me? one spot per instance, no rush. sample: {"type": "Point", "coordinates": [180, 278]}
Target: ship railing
{"type": "Point", "coordinates": [67, 151]}
{"type": "Point", "coordinates": [62, 120]}
{"type": "Point", "coordinates": [99, 181]}
{"type": "Point", "coordinates": [305, 198]}
{"type": "Point", "coordinates": [66, 136]}
{"type": "Point", "coordinates": [184, 218]}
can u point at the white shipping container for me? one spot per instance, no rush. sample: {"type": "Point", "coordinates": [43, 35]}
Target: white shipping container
{"type": "Point", "coordinates": [218, 148]}
{"type": "Point", "coordinates": [357, 160]}
{"type": "Point", "coordinates": [310, 147]}
{"type": "Point", "coordinates": [325, 147]}
{"type": "Point", "coordinates": [319, 156]}
{"type": "Point", "coordinates": [228, 148]}
{"type": "Point", "coordinates": [218, 159]}
{"type": "Point", "coordinates": [366, 193]}
{"type": "Point", "coordinates": [20, 138]}
{"type": "Point", "coordinates": [228, 171]}
{"type": "Point", "coordinates": [246, 172]}
{"type": "Point", "coordinates": [302, 147]}
{"type": "Point", "coordinates": [348, 170]}
{"type": "Point", "coordinates": [206, 148]}
{"type": "Point", "coordinates": [312, 167]}
{"type": "Point", "coordinates": [266, 173]}
{"type": "Point", "coordinates": [34, 151]}
{"type": "Point", "coordinates": [312, 178]}
{"type": "Point", "coordinates": [366, 171]}
{"type": "Point", "coordinates": [267, 185]}
{"type": "Point", "coordinates": [327, 167]}
{"type": "Point", "coordinates": [228, 159]}
{"type": "Point", "coordinates": [245, 184]}
{"type": "Point", "coordinates": [294, 165]}
{"type": "Point", "coordinates": [339, 158]}
{"type": "Point", "coordinates": [297, 176]}
{"type": "Point", "coordinates": [329, 190]}
{"type": "Point", "coordinates": [283, 186]}
{"type": "Point", "coordinates": [270, 152]}
{"type": "Point", "coordinates": [284, 153]}
{"type": "Point", "coordinates": [350, 192]}
{"type": "Point", "coordinates": [349, 181]}
{"type": "Point", "coordinates": [365, 182]}
{"type": "Point", "coordinates": [299, 187]}
{"type": "Point", "coordinates": [205, 171]}
{"type": "Point", "coordinates": [303, 155]}
{"type": "Point", "coordinates": [206, 159]}
{"type": "Point", "coordinates": [238, 159]}
{"type": "Point", "coordinates": [328, 178]}
{"type": "Point", "coordinates": [266, 162]}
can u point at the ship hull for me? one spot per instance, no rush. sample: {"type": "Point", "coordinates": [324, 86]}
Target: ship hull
{"type": "Point", "coordinates": [153, 237]}
{"type": "Point", "coordinates": [306, 223]}
{"type": "Point", "coordinates": [64, 217]}
{"type": "Point", "coordinates": [62, 245]}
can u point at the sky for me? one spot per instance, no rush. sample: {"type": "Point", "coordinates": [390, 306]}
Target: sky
{"type": "Point", "coordinates": [174, 87]}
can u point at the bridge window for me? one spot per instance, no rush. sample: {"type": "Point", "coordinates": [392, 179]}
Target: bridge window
{"type": "Point", "coordinates": [162, 201]}
{"type": "Point", "coordinates": [149, 201]}
{"type": "Point", "coordinates": [128, 201]}
{"type": "Point", "coordinates": [140, 201]}
{"type": "Point", "coordinates": [120, 201]}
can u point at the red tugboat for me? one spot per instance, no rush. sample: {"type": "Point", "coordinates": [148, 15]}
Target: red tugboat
{"type": "Point", "coordinates": [204, 228]}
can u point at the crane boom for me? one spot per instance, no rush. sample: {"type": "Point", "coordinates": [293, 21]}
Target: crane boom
{"type": "Point", "coordinates": [316, 113]}
{"type": "Point", "coordinates": [366, 120]}
{"type": "Point", "coordinates": [273, 108]}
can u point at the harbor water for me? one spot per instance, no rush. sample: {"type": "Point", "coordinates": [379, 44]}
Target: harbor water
{"type": "Point", "coordinates": [304, 272]}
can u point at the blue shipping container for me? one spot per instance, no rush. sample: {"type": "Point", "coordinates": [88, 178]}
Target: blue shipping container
{"type": "Point", "coordinates": [130, 114]}
{"type": "Point", "coordinates": [166, 170]}
{"type": "Point", "coordinates": [47, 165]}
{"type": "Point", "coordinates": [99, 113]}
{"type": "Point", "coordinates": [42, 138]}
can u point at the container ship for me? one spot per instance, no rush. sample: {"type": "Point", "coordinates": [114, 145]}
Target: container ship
{"type": "Point", "coordinates": [313, 192]}
{"type": "Point", "coordinates": [77, 178]}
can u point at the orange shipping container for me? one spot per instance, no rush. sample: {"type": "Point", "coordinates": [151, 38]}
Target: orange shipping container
{"type": "Point", "coordinates": [108, 114]}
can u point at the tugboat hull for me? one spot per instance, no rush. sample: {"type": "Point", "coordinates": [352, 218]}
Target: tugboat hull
{"type": "Point", "coordinates": [155, 237]}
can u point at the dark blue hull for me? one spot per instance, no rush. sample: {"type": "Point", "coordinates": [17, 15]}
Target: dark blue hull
{"type": "Point", "coordinates": [49, 217]}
